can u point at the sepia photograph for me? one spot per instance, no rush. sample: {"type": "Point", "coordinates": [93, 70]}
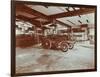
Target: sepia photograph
{"type": "Point", "coordinates": [52, 38]}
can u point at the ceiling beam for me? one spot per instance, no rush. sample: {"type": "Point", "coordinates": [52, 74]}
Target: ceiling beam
{"type": "Point", "coordinates": [67, 9]}
{"type": "Point", "coordinates": [61, 23]}
{"type": "Point", "coordinates": [71, 22]}
{"type": "Point", "coordinates": [24, 8]}
{"type": "Point", "coordinates": [73, 13]}
{"type": "Point", "coordinates": [34, 22]}
{"type": "Point", "coordinates": [75, 10]}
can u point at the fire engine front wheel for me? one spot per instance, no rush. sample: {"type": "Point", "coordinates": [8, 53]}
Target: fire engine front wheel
{"type": "Point", "coordinates": [46, 44]}
{"type": "Point", "coordinates": [64, 47]}
{"type": "Point", "coordinates": [71, 45]}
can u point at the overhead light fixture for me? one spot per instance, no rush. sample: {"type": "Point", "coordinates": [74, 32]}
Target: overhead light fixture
{"type": "Point", "coordinates": [79, 21]}
{"type": "Point", "coordinates": [87, 21]}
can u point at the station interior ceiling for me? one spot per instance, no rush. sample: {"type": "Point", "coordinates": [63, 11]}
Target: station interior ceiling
{"type": "Point", "coordinates": [61, 20]}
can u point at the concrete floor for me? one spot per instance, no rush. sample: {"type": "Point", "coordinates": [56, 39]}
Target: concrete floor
{"type": "Point", "coordinates": [36, 59]}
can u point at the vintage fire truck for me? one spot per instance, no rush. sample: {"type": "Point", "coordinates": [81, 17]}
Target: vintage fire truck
{"type": "Point", "coordinates": [59, 41]}
{"type": "Point", "coordinates": [62, 42]}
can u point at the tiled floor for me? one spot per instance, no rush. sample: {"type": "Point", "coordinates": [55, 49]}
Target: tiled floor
{"type": "Point", "coordinates": [33, 59]}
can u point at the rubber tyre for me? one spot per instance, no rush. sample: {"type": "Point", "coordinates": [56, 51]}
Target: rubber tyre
{"type": "Point", "coordinates": [70, 46]}
{"type": "Point", "coordinates": [64, 47]}
{"type": "Point", "coordinates": [46, 44]}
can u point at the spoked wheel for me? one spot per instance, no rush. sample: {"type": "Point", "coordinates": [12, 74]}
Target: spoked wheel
{"type": "Point", "coordinates": [70, 46]}
{"type": "Point", "coordinates": [46, 44]}
{"type": "Point", "coordinates": [64, 46]}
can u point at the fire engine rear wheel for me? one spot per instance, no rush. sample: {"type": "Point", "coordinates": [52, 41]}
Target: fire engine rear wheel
{"type": "Point", "coordinates": [64, 47]}
{"type": "Point", "coordinates": [71, 45]}
{"type": "Point", "coordinates": [46, 44]}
